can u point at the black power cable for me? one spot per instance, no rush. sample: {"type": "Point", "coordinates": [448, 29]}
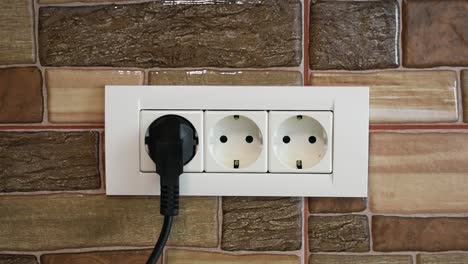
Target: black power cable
{"type": "Point", "coordinates": [172, 142]}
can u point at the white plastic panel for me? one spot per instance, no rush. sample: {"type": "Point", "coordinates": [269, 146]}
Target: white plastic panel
{"type": "Point", "coordinates": [349, 105]}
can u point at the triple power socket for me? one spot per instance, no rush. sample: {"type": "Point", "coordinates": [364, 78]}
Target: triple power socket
{"type": "Point", "coordinates": [253, 141]}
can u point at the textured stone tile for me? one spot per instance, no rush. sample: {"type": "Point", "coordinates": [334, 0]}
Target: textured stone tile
{"type": "Point", "coordinates": [418, 172]}
{"type": "Point", "coordinates": [391, 233]}
{"type": "Point", "coordinates": [162, 34]}
{"type": "Point", "coordinates": [261, 224]}
{"type": "Point", "coordinates": [48, 161]}
{"type": "Point", "coordinates": [435, 33]}
{"type": "Point", "coordinates": [344, 233]}
{"type": "Point", "coordinates": [20, 95]}
{"type": "Point", "coordinates": [49, 222]}
{"type": "Point", "coordinates": [100, 257]}
{"type": "Point", "coordinates": [361, 259]}
{"type": "Point", "coordinates": [464, 85]}
{"type": "Point", "coordinates": [224, 77]}
{"type": "Point", "coordinates": [17, 259]}
{"type": "Point", "coordinates": [353, 35]}
{"type": "Point", "coordinates": [455, 258]}
{"type": "Point", "coordinates": [178, 256]}
{"type": "Point", "coordinates": [16, 32]}
{"type": "Point", "coordinates": [78, 95]}
{"type": "Point", "coordinates": [403, 96]}
{"type": "Point", "coordinates": [336, 205]}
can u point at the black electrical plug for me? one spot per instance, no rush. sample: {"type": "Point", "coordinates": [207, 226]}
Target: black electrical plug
{"type": "Point", "coordinates": [172, 141]}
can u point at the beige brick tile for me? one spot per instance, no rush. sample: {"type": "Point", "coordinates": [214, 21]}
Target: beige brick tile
{"type": "Point", "coordinates": [16, 32]}
{"type": "Point", "coordinates": [99, 257]}
{"type": "Point", "coordinates": [49, 222]}
{"type": "Point", "coordinates": [453, 258]}
{"type": "Point", "coordinates": [77, 96]}
{"type": "Point", "coordinates": [418, 172]}
{"type": "Point", "coordinates": [175, 256]}
{"type": "Point", "coordinates": [224, 77]}
{"type": "Point", "coordinates": [79, 1]}
{"type": "Point", "coordinates": [403, 96]}
{"type": "Point", "coordinates": [349, 259]}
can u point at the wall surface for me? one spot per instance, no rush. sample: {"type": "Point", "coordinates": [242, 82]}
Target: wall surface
{"type": "Point", "coordinates": [57, 55]}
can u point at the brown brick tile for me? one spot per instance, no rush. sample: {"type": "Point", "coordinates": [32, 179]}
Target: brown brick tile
{"type": "Point", "coordinates": [453, 258]}
{"type": "Point", "coordinates": [403, 96]}
{"type": "Point", "coordinates": [16, 32]}
{"type": "Point", "coordinates": [158, 34]}
{"type": "Point", "coordinates": [179, 256]}
{"type": "Point", "coordinates": [261, 224]}
{"type": "Point", "coordinates": [391, 233]}
{"type": "Point", "coordinates": [361, 259]}
{"type": "Point", "coordinates": [20, 95]}
{"type": "Point", "coordinates": [78, 95]}
{"type": "Point", "coordinates": [336, 205]}
{"type": "Point", "coordinates": [99, 257]}
{"type": "Point", "coordinates": [224, 77]}
{"type": "Point", "coordinates": [48, 161]}
{"type": "Point", "coordinates": [435, 33]}
{"type": "Point", "coordinates": [344, 233]}
{"type": "Point", "coordinates": [353, 35]}
{"type": "Point", "coordinates": [418, 172]}
{"type": "Point", "coordinates": [17, 259]}
{"type": "Point", "coordinates": [49, 222]}
{"type": "Point", "coordinates": [464, 86]}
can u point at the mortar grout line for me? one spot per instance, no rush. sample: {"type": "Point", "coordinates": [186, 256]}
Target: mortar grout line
{"type": "Point", "coordinates": [305, 34]}
{"type": "Point", "coordinates": [305, 230]}
{"type": "Point", "coordinates": [220, 221]}
{"type": "Point", "coordinates": [459, 96]}
{"type": "Point", "coordinates": [101, 163]}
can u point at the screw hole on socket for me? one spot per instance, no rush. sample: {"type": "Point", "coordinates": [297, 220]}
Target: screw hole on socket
{"type": "Point", "coordinates": [223, 139]}
{"type": "Point", "coordinates": [286, 139]}
{"type": "Point", "coordinates": [249, 139]}
{"type": "Point", "coordinates": [312, 139]}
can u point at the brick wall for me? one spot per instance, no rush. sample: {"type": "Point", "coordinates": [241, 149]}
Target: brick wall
{"type": "Point", "coordinates": [57, 55]}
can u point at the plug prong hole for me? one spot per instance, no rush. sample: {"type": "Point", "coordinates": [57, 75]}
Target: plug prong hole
{"type": "Point", "coordinates": [223, 139]}
{"type": "Point", "coordinates": [312, 139]}
{"type": "Point", "coordinates": [249, 139]}
{"type": "Point", "coordinates": [286, 139]}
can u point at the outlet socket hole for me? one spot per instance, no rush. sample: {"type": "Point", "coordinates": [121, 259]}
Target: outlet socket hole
{"type": "Point", "coordinates": [249, 139]}
{"type": "Point", "coordinates": [286, 139]}
{"type": "Point", "coordinates": [312, 139]}
{"type": "Point", "coordinates": [223, 139]}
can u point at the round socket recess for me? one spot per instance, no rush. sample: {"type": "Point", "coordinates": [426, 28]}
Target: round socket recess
{"type": "Point", "coordinates": [235, 142]}
{"type": "Point", "coordinates": [300, 142]}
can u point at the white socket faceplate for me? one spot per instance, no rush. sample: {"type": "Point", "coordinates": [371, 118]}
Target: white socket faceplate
{"type": "Point", "coordinates": [235, 127]}
{"type": "Point", "coordinates": [301, 141]}
{"type": "Point", "coordinates": [343, 113]}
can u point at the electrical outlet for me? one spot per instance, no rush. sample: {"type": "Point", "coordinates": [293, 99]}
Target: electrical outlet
{"type": "Point", "coordinates": [194, 117]}
{"type": "Point", "coordinates": [301, 142]}
{"type": "Point", "coordinates": [253, 140]}
{"type": "Point", "coordinates": [236, 141]}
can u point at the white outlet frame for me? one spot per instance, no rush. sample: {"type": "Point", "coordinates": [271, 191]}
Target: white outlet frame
{"type": "Point", "coordinates": [350, 106]}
